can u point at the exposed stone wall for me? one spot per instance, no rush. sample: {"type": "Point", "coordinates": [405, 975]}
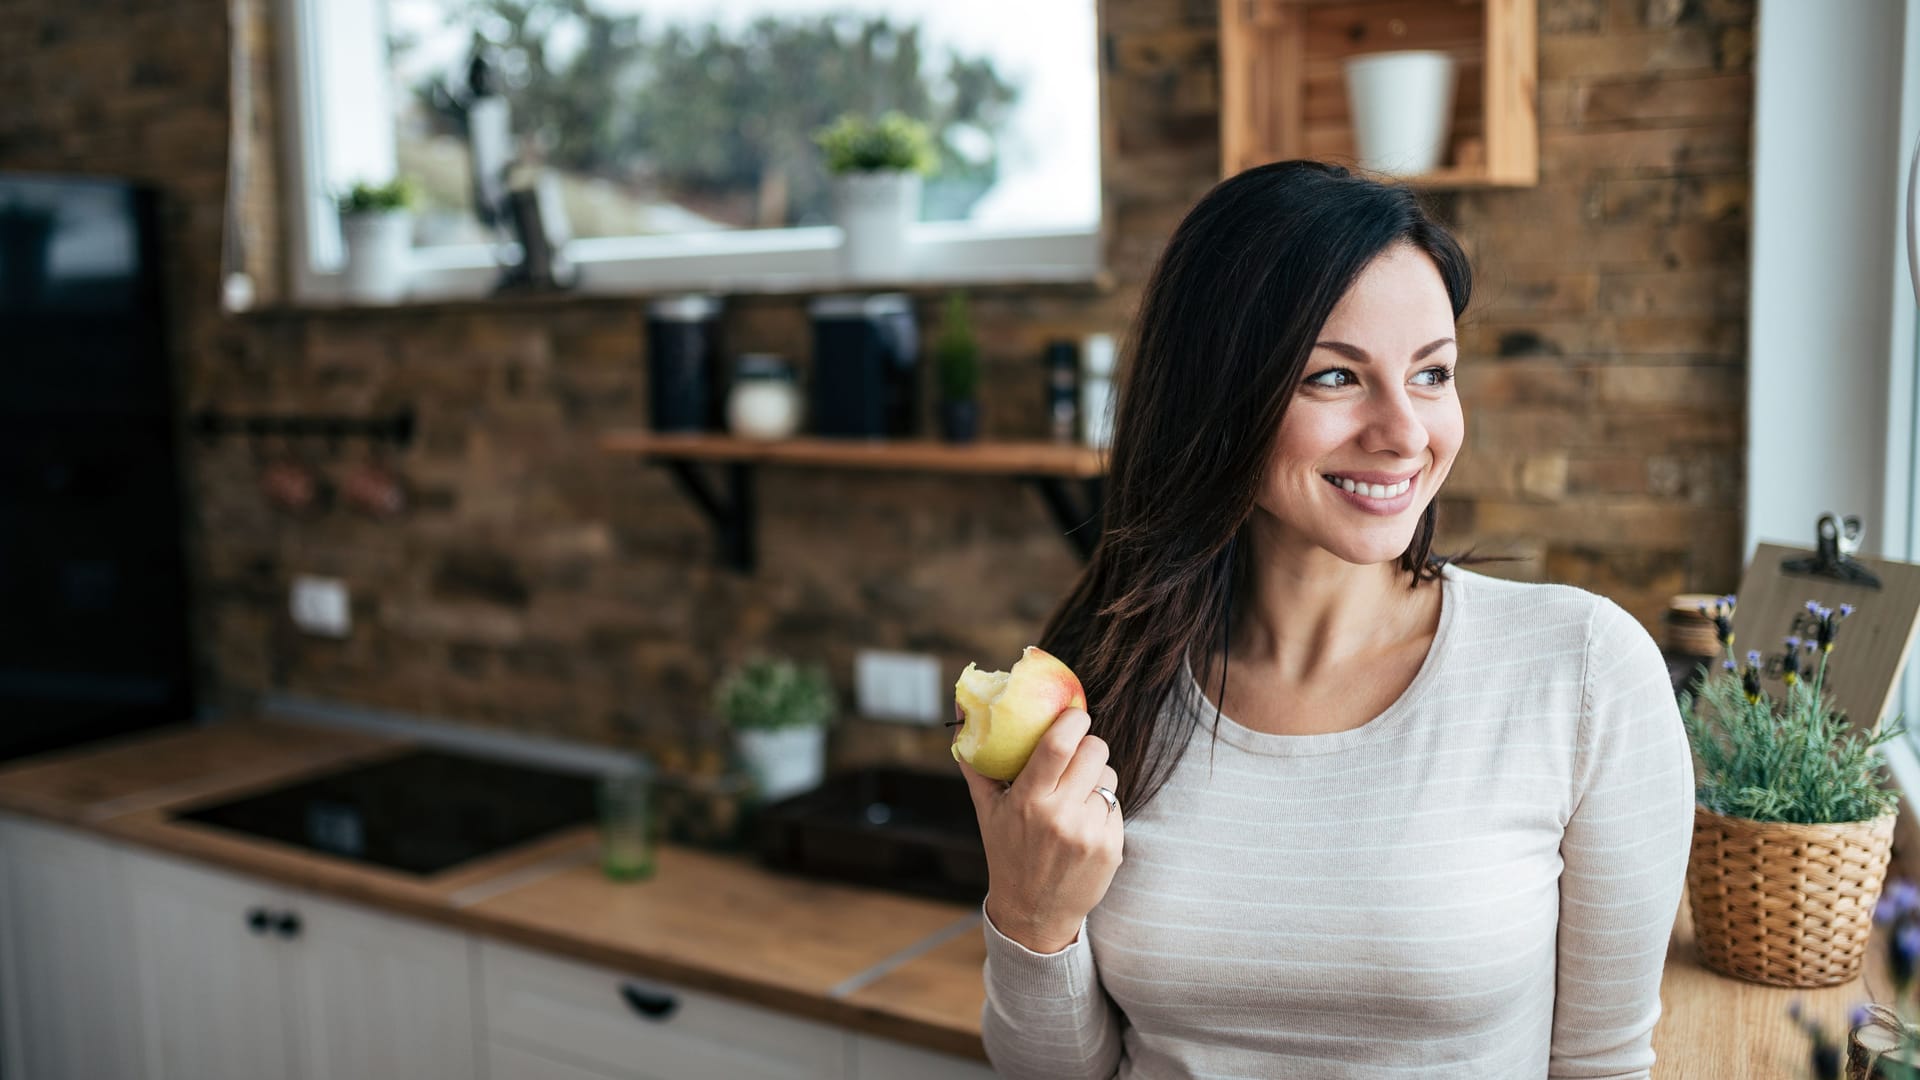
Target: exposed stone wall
{"type": "Point", "coordinates": [537, 584]}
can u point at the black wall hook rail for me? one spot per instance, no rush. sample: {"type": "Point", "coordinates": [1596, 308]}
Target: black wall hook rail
{"type": "Point", "coordinates": [396, 429]}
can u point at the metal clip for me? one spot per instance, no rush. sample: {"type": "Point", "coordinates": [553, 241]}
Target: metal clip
{"type": "Point", "coordinates": [1838, 539]}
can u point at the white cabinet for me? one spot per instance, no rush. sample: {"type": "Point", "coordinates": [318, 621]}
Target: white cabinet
{"type": "Point", "coordinates": [506, 1062]}
{"type": "Point", "coordinates": [884, 1059]}
{"type": "Point", "coordinates": [377, 996]}
{"type": "Point", "coordinates": [541, 1009]}
{"type": "Point", "coordinates": [212, 987]}
{"type": "Point", "coordinates": [242, 981]}
{"type": "Point", "coordinates": [66, 956]}
{"type": "Point", "coordinates": [117, 964]}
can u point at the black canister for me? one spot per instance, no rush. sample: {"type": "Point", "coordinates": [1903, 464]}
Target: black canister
{"type": "Point", "coordinates": [866, 366]}
{"type": "Point", "coordinates": [1063, 390]}
{"type": "Point", "coordinates": [688, 388]}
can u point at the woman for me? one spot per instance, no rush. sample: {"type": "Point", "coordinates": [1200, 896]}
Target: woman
{"type": "Point", "coordinates": [1383, 816]}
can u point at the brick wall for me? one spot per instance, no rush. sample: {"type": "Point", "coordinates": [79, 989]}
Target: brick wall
{"type": "Point", "coordinates": [536, 584]}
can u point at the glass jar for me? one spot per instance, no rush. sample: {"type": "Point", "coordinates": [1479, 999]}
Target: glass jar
{"type": "Point", "coordinates": [764, 403]}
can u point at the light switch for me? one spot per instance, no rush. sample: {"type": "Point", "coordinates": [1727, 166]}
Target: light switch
{"type": "Point", "coordinates": [319, 606]}
{"type": "Point", "coordinates": [899, 686]}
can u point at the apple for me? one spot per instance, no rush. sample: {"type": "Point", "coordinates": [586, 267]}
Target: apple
{"type": "Point", "coordinates": [1002, 714]}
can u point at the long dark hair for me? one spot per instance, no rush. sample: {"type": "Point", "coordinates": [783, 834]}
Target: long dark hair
{"type": "Point", "coordinates": [1217, 349]}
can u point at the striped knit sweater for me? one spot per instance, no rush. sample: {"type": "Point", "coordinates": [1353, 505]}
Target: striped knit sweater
{"type": "Point", "coordinates": [1479, 882]}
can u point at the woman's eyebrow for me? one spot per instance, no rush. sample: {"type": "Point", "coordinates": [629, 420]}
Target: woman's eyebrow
{"type": "Point", "coordinates": [1360, 355]}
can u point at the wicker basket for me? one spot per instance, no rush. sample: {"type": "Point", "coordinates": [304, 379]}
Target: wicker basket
{"type": "Point", "coordinates": [1785, 904]}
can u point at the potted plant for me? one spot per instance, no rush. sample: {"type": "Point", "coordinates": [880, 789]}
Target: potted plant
{"type": "Point", "coordinates": [1793, 823]}
{"type": "Point", "coordinates": [876, 167]}
{"type": "Point", "coordinates": [376, 228]}
{"type": "Point", "coordinates": [957, 357]}
{"type": "Point", "coordinates": [779, 712]}
{"type": "Point", "coordinates": [1402, 106]}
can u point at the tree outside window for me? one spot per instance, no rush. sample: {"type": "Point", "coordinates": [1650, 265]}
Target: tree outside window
{"type": "Point", "coordinates": [660, 117]}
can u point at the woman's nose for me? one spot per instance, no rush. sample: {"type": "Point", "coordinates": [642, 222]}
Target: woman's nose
{"type": "Point", "coordinates": [1393, 426]}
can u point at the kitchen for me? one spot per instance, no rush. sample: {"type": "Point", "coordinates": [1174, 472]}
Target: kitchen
{"type": "Point", "coordinates": [459, 520]}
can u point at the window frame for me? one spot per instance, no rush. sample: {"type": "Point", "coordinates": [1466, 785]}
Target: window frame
{"type": "Point", "coordinates": [1874, 439]}
{"type": "Point", "coordinates": [794, 260]}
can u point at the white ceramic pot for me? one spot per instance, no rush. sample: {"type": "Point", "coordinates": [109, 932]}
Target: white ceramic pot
{"type": "Point", "coordinates": [874, 211]}
{"type": "Point", "coordinates": [787, 761]}
{"type": "Point", "coordinates": [379, 248]}
{"type": "Point", "coordinates": [763, 409]}
{"type": "Point", "coordinates": [1402, 106]}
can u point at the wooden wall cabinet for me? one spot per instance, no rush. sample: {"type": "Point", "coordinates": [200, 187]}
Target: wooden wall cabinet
{"type": "Point", "coordinates": [1283, 94]}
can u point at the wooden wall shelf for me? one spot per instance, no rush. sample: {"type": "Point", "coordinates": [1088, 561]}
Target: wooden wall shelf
{"type": "Point", "coordinates": [1283, 94]}
{"type": "Point", "coordinates": [1053, 468]}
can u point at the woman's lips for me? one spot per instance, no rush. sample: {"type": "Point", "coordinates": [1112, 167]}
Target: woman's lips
{"type": "Point", "coordinates": [1386, 507]}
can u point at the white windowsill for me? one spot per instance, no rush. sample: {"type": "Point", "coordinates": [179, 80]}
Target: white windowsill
{"type": "Point", "coordinates": [765, 262]}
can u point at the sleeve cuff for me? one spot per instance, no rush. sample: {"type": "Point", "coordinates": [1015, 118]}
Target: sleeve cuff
{"type": "Point", "coordinates": [995, 937]}
{"type": "Point", "coordinates": [1014, 969]}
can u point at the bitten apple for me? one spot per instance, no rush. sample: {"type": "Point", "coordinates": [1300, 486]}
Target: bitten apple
{"type": "Point", "coordinates": [1004, 713]}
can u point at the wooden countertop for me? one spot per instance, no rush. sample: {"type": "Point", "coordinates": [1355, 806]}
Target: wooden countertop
{"type": "Point", "coordinates": [871, 961]}
{"type": "Point", "coordinates": [1713, 1027]}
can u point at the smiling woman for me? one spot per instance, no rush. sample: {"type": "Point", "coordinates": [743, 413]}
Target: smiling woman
{"type": "Point", "coordinates": [1383, 815]}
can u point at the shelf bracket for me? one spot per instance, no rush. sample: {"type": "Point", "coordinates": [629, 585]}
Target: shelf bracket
{"type": "Point", "coordinates": [727, 502]}
{"type": "Point", "coordinates": [1078, 518]}
{"type": "Point", "coordinates": [731, 514]}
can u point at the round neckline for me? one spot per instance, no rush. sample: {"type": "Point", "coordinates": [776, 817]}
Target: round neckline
{"type": "Point", "coordinates": [1393, 717]}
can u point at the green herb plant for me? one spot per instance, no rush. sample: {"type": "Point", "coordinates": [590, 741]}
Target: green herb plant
{"type": "Point", "coordinates": [1787, 760]}
{"type": "Point", "coordinates": [894, 142]}
{"type": "Point", "coordinates": [770, 694]}
{"type": "Point", "coordinates": [956, 353]}
{"type": "Point", "coordinates": [365, 198]}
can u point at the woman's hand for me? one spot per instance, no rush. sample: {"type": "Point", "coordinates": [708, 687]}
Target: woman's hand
{"type": "Point", "coordinates": [1052, 842]}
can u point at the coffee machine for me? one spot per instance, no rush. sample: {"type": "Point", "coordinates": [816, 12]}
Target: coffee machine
{"type": "Point", "coordinates": [866, 366]}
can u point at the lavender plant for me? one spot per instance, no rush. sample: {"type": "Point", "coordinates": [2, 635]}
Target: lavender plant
{"type": "Point", "coordinates": [1788, 760]}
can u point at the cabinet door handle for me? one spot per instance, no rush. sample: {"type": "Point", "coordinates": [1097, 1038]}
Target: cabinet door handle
{"type": "Point", "coordinates": [287, 924]}
{"type": "Point", "coordinates": [258, 921]}
{"type": "Point", "coordinates": [649, 1003]}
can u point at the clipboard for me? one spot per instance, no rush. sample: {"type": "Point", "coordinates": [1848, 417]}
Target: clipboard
{"type": "Point", "coordinates": [1870, 646]}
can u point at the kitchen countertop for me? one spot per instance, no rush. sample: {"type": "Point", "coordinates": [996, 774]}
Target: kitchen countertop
{"type": "Point", "coordinates": [872, 961]}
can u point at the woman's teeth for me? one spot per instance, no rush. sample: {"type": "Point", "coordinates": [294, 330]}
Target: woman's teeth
{"type": "Point", "coordinates": [1371, 491]}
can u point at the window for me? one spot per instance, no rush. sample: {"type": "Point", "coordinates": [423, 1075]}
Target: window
{"type": "Point", "coordinates": [677, 134]}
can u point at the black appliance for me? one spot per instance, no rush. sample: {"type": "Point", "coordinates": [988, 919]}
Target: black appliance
{"type": "Point", "coordinates": [866, 366]}
{"type": "Point", "coordinates": [684, 380]}
{"type": "Point", "coordinates": [886, 826]}
{"type": "Point", "coordinates": [421, 812]}
{"type": "Point", "coordinates": [93, 587]}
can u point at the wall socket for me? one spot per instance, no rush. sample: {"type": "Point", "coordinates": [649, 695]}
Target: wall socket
{"type": "Point", "coordinates": [319, 606]}
{"type": "Point", "coordinates": [903, 687]}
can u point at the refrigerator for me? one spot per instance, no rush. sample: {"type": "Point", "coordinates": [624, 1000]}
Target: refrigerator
{"type": "Point", "coordinates": [94, 614]}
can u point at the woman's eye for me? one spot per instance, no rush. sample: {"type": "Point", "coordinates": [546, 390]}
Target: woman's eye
{"type": "Point", "coordinates": [1336, 377]}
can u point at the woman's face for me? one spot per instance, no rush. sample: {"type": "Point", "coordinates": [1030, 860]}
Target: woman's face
{"type": "Point", "coordinates": [1375, 424]}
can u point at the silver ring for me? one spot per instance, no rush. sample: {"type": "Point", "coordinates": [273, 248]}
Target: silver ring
{"type": "Point", "coordinates": [1107, 794]}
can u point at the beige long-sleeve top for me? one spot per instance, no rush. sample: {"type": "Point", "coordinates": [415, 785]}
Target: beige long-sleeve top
{"type": "Point", "coordinates": [1479, 882]}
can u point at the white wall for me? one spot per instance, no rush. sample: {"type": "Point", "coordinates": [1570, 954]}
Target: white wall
{"type": "Point", "coordinates": [1830, 329]}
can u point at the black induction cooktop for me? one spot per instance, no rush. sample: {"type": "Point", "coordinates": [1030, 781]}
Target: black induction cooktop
{"type": "Point", "coordinates": [420, 812]}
